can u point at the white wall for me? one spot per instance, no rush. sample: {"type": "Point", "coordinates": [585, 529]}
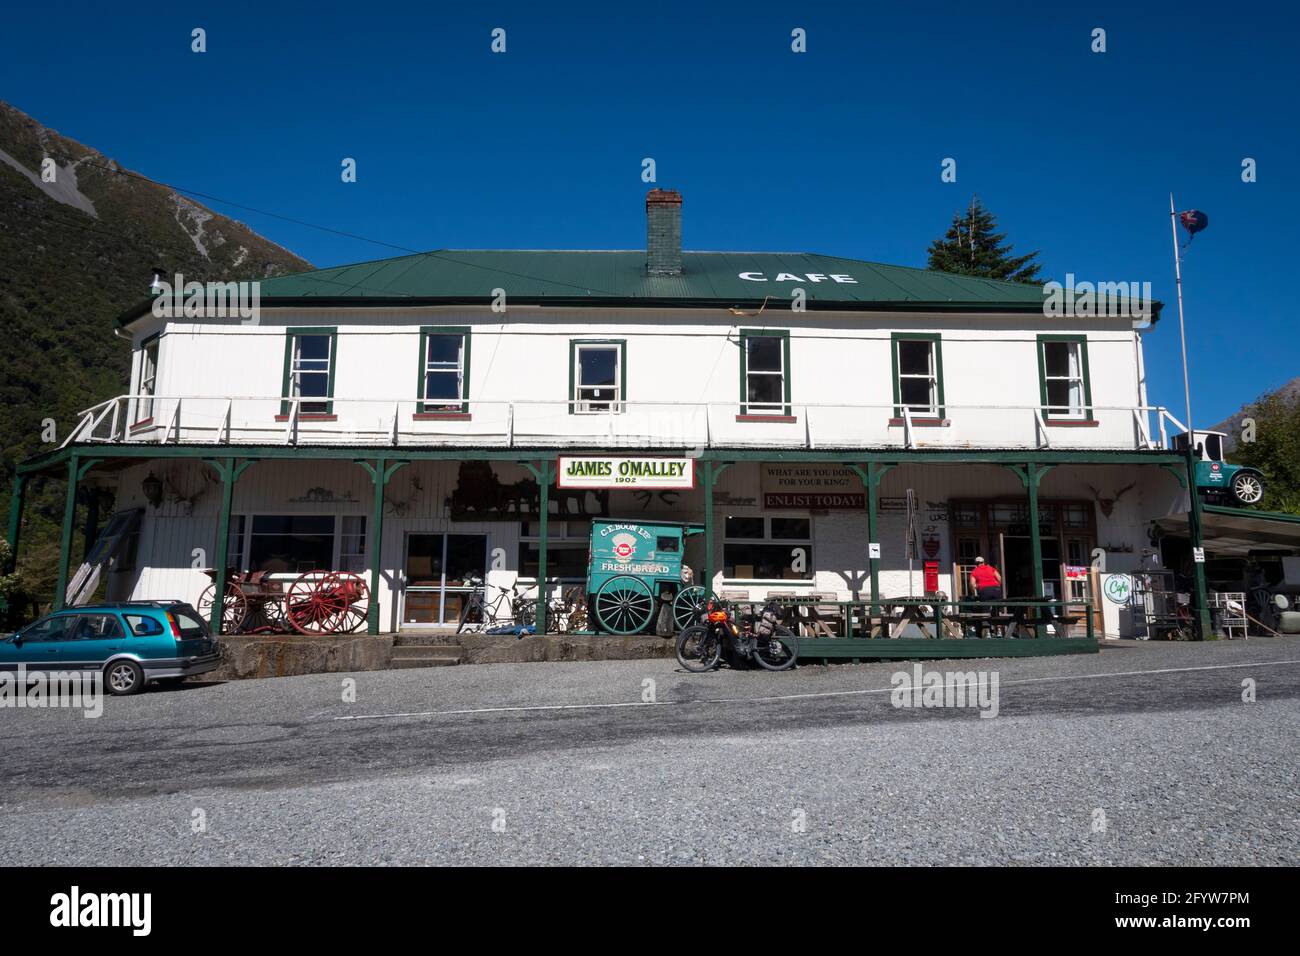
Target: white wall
{"type": "Point", "coordinates": [684, 356]}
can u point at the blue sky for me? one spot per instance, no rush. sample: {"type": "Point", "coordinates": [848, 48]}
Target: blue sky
{"type": "Point", "coordinates": [836, 151]}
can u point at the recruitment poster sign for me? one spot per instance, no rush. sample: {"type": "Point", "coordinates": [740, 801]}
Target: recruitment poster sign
{"type": "Point", "coordinates": [812, 486]}
{"type": "Point", "coordinates": [620, 471]}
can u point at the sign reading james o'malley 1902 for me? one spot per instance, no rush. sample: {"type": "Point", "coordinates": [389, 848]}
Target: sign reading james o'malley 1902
{"type": "Point", "coordinates": [617, 471]}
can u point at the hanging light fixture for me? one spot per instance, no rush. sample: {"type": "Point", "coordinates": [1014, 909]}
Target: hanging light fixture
{"type": "Point", "coordinates": [153, 489]}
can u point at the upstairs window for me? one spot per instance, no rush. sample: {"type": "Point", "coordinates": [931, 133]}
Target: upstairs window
{"type": "Point", "coordinates": [918, 375]}
{"type": "Point", "coordinates": [597, 377]}
{"type": "Point", "coordinates": [764, 372]}
{"type": "Point", "coordinates": [309, 370]}
{"type": "Point", "coordinates": [148, 379]}
{"type": "Point", "coordinates": [1063, 377]}
{"type": "Point", "coordinates": [444, 370]}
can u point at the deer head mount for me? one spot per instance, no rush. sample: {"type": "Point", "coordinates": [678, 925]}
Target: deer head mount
{"type": "Point", "coordinates": [1107, 505]}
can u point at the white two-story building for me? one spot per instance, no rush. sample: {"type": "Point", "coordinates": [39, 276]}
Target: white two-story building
{"type": "Point", "coordinates": [405, 419]}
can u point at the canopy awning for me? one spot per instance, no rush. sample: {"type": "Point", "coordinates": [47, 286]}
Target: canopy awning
{"type": "Point", "coordinates": [1238, 531]}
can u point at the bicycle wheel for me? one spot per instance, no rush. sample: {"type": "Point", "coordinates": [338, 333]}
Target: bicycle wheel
{"type": "Point", "coordinates": [525, 612]}
{"type": "Point", "coordinates": [688, 605]}
{"type": "Point", "coordinates": [698, 649]}
{"type": "Point", "coordinates": [778, 652]}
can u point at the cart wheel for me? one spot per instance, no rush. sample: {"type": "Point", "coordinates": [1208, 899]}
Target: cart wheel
{"type": "Point", "coordinates": [266, 616]}
{"type": "Point", "coordinates": [327, 602]}
{"type": "Point", "coordinates": [689, 604]}
{"type": "Point", "coordinates": [624, 605]}
{"type": "Point", "coordinates": [233, 609]}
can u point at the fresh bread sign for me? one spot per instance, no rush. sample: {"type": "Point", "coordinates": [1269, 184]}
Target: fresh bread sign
{"type": "Point", "coordinates": [616, 471]}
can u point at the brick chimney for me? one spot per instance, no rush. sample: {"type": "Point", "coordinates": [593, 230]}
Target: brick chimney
{"type": "Point", "coordinates": [663, 222]}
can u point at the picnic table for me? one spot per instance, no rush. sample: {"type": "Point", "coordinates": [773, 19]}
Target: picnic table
{"type": "Point", "coordinates": [816, 616]}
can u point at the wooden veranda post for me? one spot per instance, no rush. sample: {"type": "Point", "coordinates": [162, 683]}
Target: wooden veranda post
{"type": "Point", "coordinates": [544, 472]}
{"type": "Point", "coordinates": [229, 473]}
{"type": "Point", "coordinates": [544, 499]}
{"type": "Point", "coordinates": [1030, 475]}
{"type": "Point", "coordinates": [871, 477]}
{"type": "Point", "coordinates": [381, 472]}
{"type": "Point", "coordinates": [1200, 596]}
{"type": "Point", "coordinates": [712, 469]}
{"type": "Point", "coordinates": [65, 541]}
{"type": "Point", "coordinates": [16, 499]}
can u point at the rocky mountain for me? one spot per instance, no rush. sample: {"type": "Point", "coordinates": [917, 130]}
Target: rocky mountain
{"type": "Point", "coordinates": [79, 237]}
{"type": "Point", "coordinates": [1232, 424]}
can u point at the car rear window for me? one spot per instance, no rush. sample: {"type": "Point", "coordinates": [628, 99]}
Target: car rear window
{"type": "Point", "coordinates": [143, 626]}
{"type": "Point", "coordinates": [189, 622]}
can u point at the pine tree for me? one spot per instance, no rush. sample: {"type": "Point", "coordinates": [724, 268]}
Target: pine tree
{"type": "Point", "coordinates": [972, 246]}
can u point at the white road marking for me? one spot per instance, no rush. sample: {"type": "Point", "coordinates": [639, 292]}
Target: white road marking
{"type": "Point", "coordinates": [778, 697]}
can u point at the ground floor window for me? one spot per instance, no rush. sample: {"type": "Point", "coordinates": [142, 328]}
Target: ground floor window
{"type": "Point", "coordinates": [297, 543]}
{"type": "Point", "coordinates": [567, 544]}
{"type": "Point", "coordinates": [761, 548]}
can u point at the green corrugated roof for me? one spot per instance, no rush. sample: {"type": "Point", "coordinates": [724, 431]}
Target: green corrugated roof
{"type": "Point", "coordinates": [619, 278]}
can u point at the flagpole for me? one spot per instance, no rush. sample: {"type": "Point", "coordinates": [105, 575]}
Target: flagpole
{"type": "Point", "coordinates": [1182, 332]}
{"type": "Point", "coordinates": [1200, 594]}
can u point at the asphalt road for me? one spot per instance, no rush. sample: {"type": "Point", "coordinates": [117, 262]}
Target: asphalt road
{"type": "Point", "coordinates": [1144, 754]}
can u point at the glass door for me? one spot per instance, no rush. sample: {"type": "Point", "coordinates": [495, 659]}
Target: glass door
{"type": "Point", "coordinates": [439, 568]}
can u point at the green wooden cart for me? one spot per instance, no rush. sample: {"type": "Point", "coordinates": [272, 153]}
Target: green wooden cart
{"type": "Point", "coordinates": [634, 568]}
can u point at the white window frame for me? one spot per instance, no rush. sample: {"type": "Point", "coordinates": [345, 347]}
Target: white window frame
{"type": "Point", "coordinates": [299, 367]}
{"type": "Point", "coordinates": [779, 407]}
{"type": "Point", "coordinates": [427, 367]}
{"type": "Point", "coordinates": [147, 383]}
{"type": "Point", "coordinates": [1074, 359]}
{"type": "Point", "coordinates": [931, 377]}
{"type": "Point", "coordinates": [583, 406]}
{"type": "Point", "coordinates": [241, 530]}
{"type": "Point", "coordinates": [767, 539]}
{"type": "Point", "coordinates": [566, 538]}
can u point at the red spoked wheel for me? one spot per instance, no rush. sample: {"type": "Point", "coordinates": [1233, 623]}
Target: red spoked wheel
{"type": "Point", "coordinates": [327, 602]}
{"type": "Point", "coordinates": [233, 609]}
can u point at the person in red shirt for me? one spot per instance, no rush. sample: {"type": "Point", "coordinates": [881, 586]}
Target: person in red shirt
{"type": "Point", "coordinates": [986, 582]}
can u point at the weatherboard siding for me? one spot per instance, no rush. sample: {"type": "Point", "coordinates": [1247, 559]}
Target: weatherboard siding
{"type": "Point", "coordinates": [673, 356]}
{"type": "Point", "coordinates": [416, 502]}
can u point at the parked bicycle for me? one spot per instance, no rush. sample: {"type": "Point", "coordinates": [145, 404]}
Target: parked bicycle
{"type": "Point", "coordinates": [761, 639]}
{"type": "Point", "coordinates": [567, 614]}
{"type": "Point", "coordinates": [509, 607]}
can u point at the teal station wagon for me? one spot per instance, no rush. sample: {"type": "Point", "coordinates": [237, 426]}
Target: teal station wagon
{"type": "Point", "coordinates": [132, 643]}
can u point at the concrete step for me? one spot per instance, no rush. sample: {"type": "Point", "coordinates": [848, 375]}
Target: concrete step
{"type": "Point", "coordinates": [427, 656]}
{"type": "Point", "coordinates": [425, 639]}
{"type": "Point", "coordinates": [403, 663]}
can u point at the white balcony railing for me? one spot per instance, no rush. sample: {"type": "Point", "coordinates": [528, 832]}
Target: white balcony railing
{"type": "Point", "coordinates": [397, 423]}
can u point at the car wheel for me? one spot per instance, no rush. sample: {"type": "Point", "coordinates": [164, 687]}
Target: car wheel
{"type": "Point", "coordinates": [1247, 489]}
{"type": "Point", "coordinates": [123, 678]}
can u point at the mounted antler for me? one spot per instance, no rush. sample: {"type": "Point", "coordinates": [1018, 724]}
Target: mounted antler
{"type": "Point", "coordinates": [1107, 505]}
